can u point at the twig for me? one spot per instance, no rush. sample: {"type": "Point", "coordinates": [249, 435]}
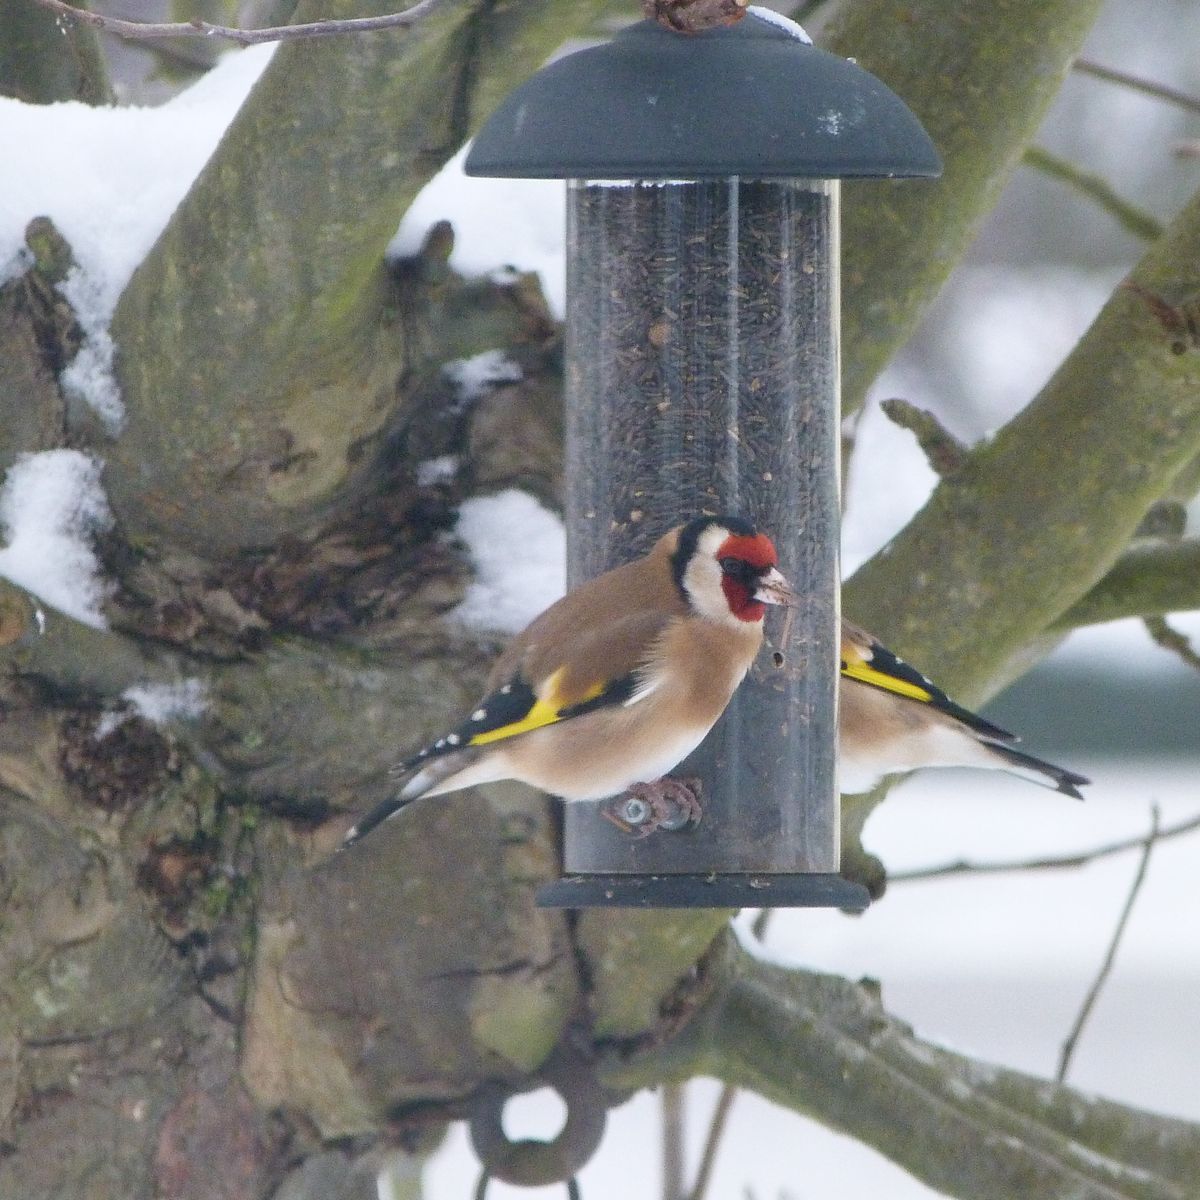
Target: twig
{"type": "Point", "coordinates": [673, 1141]}
{"type": "Point", "coordinates": [150, 30]}
{"type": "Point", "coordinates": [1160, 91]}
{"type": "Point", "coordinates": [964, 867]}
{"type": "Point", "coordinates": [1131, 218]}
{"type": "Point", "coordinates": [712, 1143]}
{"type": "Point", "coordinates": [943, 450]}
{"type": "Point", "coordinates": [720, 1117]}
{"type": "Point", "coordinates": [1171, 639]}
{"type": "Point", "coordinates": [1093, 994]}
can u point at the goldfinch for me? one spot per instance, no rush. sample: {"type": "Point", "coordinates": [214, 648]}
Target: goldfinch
{"type": "Point", "coordinates": [622, 678]}
{"type": "Point", "coordinates": [891, 718]}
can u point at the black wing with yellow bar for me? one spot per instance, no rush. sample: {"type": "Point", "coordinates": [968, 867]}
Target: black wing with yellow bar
{"type": "Point", "coordinates": [879, 667]}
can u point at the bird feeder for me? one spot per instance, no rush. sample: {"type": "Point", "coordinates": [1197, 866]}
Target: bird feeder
{"type": "Point", "coordinates": [702, 376]}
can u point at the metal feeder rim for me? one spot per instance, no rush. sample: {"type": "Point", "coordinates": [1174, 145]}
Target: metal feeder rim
{"type": "Point", "coordinates": [748, 99]}
{"type": "Point", "coordinates": [713, 890]}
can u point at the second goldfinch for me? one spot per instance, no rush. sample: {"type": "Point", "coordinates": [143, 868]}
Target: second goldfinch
{"type": "Point", "coordinates": [891, 718]}
{"type": "Point", "coordinates": [622, 678]}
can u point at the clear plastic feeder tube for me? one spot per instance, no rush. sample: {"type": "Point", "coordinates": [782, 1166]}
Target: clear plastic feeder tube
{"type": "Point", "coordinates": [702, 377]}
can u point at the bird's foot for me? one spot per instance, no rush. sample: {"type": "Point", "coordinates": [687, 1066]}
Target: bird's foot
{"type": "Point", "coordinates": [670, 804]}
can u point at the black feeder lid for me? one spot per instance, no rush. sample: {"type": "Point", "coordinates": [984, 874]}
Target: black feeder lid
{"type": "Point", "coordinates": [748, 99]}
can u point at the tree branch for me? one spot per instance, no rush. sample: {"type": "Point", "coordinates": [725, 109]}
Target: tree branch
{"type": "Point", "coordinates": [152, 30]}
{"type": "Point", "coordinates": [827, 1048]}
{"type": "Point", "coordinates": [1096, 188]}
{"type": "Point", "coordinates": [1149, 580]}
{"type": "Point", "coordinates": [39, 642]}
{"type": "Point", "coordinates": [1022, 531]}
{"type": "Point", "coordinates": [1093, 993]}
{"type": "Point", "coordinates": [950, 62]}
{"type": "Point", "coordinates": [712, 1142]}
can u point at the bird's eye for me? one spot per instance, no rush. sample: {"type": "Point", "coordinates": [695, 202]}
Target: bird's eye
{"type": "Point", "coordinates": [732, 566]}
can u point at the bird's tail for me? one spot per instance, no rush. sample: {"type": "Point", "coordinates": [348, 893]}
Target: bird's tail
{"type": "Point", "coordinates": [436, 775]}
{"type": "Point", "coordinates": [1040, 771]}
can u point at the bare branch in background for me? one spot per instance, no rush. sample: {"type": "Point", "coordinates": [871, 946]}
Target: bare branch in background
{"type": "Point", "coordinates": [1160, 91]}
{"type": "Point", "coordinates": [827, 1048]}
{"type": "Point", "coordinates": [1171, 639]}
{"type": "Point", "coordinates": [1097, 189]}
{"type": "Point", "coordinates": [1054, 863]}
{"type": "Point", "coordinates": [712, 1143]}
{"type": "Point", "coordinates": [673, 1101]}
{"type": "Point", "coordinates": [150, 31]}
{"type": "Point", "coordinates": [1089, 1001]}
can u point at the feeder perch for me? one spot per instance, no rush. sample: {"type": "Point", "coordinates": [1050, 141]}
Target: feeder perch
{"type": "Point", "coordinates": [702, 364]}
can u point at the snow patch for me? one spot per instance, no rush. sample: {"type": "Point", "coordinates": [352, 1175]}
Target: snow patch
{"type": "Point", "coordinates": [158, 703]}
{"type": "Point", "coordinates": [530, 238]}
{"type": "Point", "coordinates": [89, 375]}
{"type": "Point", "coordinates": [771, 17]}
{"type": "Point", "coordinates": [51, 504]}
{"type": "Point", "coordinates": [519, 552]}
{"type": "Point", "coordinates": [437, 470]}
{"type": "Point", "coordinates": [109, 179]}
{"type": "Point", "coordinates": [472, 377]}
{"type": "Point", "coordinates": [161, 703]}
{"type": "Point", "coordinates": [830, 122]}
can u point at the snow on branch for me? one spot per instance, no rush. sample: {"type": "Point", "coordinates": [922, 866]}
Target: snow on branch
{"type": "Point", "coordinates": [51, 505]}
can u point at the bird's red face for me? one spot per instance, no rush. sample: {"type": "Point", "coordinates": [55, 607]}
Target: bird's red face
{"type": "Point", "coordinates": [750, 578]}
{"type": "Point", "coordinates": [726, 570]}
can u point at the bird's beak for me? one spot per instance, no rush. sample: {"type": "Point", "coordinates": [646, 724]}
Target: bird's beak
{"type": "Point", "coordinates": [774, 589]}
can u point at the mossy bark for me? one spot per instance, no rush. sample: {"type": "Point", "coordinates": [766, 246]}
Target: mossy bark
{"type": "Point", "coordinates": [827, 1048]}
{"type": "Point", "coordinates": [255, 359]}
{"type": "Point", "coordinates": [1037, 515]}
{"type": "Point", "coordinates": [44, 59]}
{"type": "Point", "coordinates": [1150, 580]}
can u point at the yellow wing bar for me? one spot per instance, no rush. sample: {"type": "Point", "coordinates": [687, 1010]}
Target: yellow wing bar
{"type": "Point", "coordinates": [534, 711]}
{"type": "Point", "coordinates": [881, 679]}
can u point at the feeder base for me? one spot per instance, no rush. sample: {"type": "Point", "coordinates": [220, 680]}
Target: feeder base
{"type": "Point", "coordinates": [770, 890]}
